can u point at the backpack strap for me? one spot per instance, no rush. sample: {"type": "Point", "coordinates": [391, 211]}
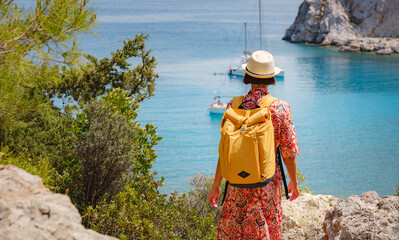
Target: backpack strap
{"type": "Point", "coordinates": [236, 102]}
{"type": "Point", "coordinates": [278, 156]}
{"type": "Point", "coordinates": [267, 101]}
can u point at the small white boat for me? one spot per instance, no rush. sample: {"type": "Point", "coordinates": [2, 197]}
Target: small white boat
{"type": "Point", "coordinates": [217, 107]}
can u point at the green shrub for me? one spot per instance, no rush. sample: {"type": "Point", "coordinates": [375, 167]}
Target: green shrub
{"type": "Point", "coordinates": [197, 197]}
{"type": "Point", "coordinates": [141, 212]}
{"type": "Point", "coordinates": [104, 152]}
{"type": "Point", "coordinates": [396, 190]}
{"type": "Point", "coordinates": [301, 180]}
{"type": "Point", "coordinates": [43, 132]}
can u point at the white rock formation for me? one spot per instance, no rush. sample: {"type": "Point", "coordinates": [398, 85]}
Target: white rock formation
{"type": "Point", "coordinates": [367, 216]}
{"type": "Point", "coordinates": [28, 210]}
{"type": "Point", "coordinates": [303, 218]}
{"type": "Point", "coordinates": [370, 24]}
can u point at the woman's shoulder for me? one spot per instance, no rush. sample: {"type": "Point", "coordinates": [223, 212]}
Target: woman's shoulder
{"type": "Point", "coordinates": [280, 107]}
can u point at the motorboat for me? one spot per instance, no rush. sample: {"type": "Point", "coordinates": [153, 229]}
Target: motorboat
{"type": "Point", "coordinates": [217, 106]}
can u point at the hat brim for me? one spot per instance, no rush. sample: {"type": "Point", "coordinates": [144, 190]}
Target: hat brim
{"type": "Point", "coordinates": [277, 70]}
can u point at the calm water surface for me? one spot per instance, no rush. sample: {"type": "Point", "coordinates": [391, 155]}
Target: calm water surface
{"type": "Point", "coordinates": [345, 106]}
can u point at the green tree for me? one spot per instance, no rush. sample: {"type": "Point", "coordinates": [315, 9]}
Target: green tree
{"type": "Point", "coordinates": [46, 31]}
{"type": "Point", "coordinates": [98, 77]}
{"type": "Point", "coordinates": [34, 42]}
{"type": "Point", "coordinates": [121, 89]}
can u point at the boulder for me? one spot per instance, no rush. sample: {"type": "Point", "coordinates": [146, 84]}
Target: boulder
{"type": "Point", "coordinates": [385, 51]}
{"type": "Point", "coordinates": [303, 218]}
{"type": "Point", "coordinates": [28, 210]}
{"type": "Point", "coordinates": [349, 49]}
{"type": "Point", "coordinates": [367, 216]}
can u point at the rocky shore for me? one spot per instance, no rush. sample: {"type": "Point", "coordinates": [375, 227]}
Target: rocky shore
{"type": "Point", "coordinates": [355, 25]}
{"type": "Point", "coordinates": [28, 210]}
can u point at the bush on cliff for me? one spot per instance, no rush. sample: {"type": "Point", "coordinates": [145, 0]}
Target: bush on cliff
{"type": "Point", "coordinates": [104, 157]}
{"type": "Point", "coordinates": [141, 212]}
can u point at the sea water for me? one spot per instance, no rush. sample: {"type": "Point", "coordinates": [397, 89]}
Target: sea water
{"type": "Point", "coordinates": [345, 105]}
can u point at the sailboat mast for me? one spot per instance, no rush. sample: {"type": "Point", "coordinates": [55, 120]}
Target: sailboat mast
{"type": "Point", "coordinates": [246, 50]}
{"type": "Point", "coordinates": [260, 25]}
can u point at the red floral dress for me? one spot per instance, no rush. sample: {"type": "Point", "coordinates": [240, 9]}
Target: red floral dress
{"type": "Point", "coordinates": [256, 213]}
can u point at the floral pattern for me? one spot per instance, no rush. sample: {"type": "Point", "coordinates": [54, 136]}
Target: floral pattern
{"type": "Point", "coordinates": [256, 213]}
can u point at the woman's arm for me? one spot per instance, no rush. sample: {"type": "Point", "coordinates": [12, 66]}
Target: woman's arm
{"type": "Point", "coordinates": [213, 196]}
{"type": "Point", "coordinates": [290, 163]}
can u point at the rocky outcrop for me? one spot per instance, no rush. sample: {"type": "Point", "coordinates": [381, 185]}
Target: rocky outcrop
{"type": "Point", "coordinates": [367, 216]}
{"type": "Point", "coordinates": [356, 25]}
{"type": "Point", "coordinates": [325, 217]}
{"type": "Point", "coordinates": [28, 210]}
{"type": "Point", "coordinates": [303, 218]}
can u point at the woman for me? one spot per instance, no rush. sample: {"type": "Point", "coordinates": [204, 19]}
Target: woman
{"type": "Point", "coordinates": [256, 213]}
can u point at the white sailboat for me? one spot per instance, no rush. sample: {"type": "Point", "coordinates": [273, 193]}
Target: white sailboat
{"type": "Point", "coordinates": [237, 70]}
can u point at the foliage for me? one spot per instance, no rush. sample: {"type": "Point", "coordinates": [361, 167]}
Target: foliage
{"type": "Point", "coordinates": [33, 40]}
{"type": "Point", "coordinates": [122, 103]}
{"type": "Point", "coordinates": [96, 151]}
{"type": "Point", "coordinates": [22, 90]}
{"type": "Point", "coordinates": [97, 78]}
{"type": "Point", "coordinates": [396, 190]}
{"type": "Point", "coordinates": [301, 180]}
{"type": "Point", "coordinates": [197, 197]}
{"type": "Point", "coordinates": [104, 150]}
{"type": "Point", "coordinates": [43, 132]}
{"type": "Point", "coordinates": [138, 214]}
{"type": "Point", "coordinates": [45, 32]}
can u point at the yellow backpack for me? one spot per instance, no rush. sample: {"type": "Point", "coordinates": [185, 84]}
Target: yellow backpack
{"type": "Point", "coordinates": [246, 150]}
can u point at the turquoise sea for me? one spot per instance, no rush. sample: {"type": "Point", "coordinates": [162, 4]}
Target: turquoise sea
{"type": "Point", "coordinates": [345, 105]}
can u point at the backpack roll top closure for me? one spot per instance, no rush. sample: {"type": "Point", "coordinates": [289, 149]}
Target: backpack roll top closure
{"type": "Point", "coordinates": [246, 148]}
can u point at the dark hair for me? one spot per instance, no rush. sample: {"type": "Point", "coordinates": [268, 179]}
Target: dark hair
{"type": "Point", "coordinates": [249, 79]}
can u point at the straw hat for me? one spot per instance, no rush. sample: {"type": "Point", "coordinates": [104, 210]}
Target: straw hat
{"type": "Point", "coordinates": [261, 65]}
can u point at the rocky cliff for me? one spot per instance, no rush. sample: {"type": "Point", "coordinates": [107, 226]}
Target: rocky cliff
{"type": "Point", "coordinates": [355, 25]}
{"type": "Point", "coordinates": [28, 210]}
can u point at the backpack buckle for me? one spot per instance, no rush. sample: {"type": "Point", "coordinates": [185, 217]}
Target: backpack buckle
{"type": "Point", "coordinates": [243, 129]}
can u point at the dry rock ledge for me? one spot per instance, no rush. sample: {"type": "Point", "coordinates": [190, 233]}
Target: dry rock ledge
{"type": "Point", "coordinates": [355, 25]}
{"type": "Point", "coordinates": [28, 210]}
{"type": "Point", "coordinates": [325, 217]}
